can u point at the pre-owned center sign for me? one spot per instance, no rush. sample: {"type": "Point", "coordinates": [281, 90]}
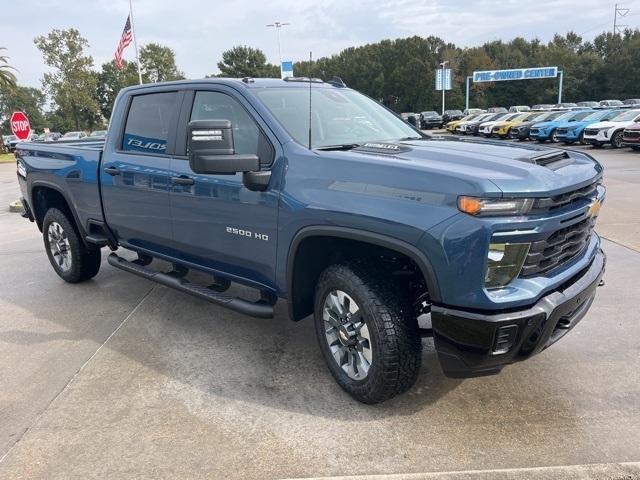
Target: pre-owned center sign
{"type": "Point", "coordinates": [515, 74]}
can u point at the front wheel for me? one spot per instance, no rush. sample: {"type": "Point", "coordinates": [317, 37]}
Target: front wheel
{"type": "Point", "coordinates": [616, 140]}
{"type": "Point", "coordinates": [554, 136]}
{"type": "Point", "coordinates": [69, 257]}
{"type": "Point", "coordinates": [367, 331]}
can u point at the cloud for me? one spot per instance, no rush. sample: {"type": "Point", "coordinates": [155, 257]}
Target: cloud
{"type": "Point", "coordinates": [200, 30]}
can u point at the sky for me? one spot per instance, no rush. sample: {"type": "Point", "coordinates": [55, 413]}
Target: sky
{"type": "Point", "coordinates": [200, 30]}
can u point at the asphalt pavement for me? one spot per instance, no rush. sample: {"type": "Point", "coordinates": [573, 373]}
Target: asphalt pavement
{"type": "Point", "coordinates": [121, 378]}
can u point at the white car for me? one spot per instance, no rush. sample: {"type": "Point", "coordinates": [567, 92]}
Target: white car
{"type": "Point", "coordinates": [486, 128]}
{"type": "Point", "coordinates": [462, 126]}
{"type": "Point", "coordinates": [597, 134]}
{"type": "Point", "coordinates": [73, 136]}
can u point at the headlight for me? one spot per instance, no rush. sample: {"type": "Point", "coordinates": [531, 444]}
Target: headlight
{"type": "Point", "coordinates": [504, 262]}
{"type": "Point", "coordinates": [494, 206]}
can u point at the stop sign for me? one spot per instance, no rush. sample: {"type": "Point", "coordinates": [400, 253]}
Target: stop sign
{"type": "Point", "coordinates": [20, 125]}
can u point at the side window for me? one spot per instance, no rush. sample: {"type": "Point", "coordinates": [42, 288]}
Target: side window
{"type": "Point", "coordinates": [220, 106]}
{"type": "Point", "coordinates": [147, 127]}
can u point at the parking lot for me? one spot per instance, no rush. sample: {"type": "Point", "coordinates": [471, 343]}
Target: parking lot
{"type": "Point", "coordinates": [119, 377]}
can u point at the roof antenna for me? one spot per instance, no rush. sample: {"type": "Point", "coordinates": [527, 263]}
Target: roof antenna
{"type": "Point", "coordinates": [310, 82]}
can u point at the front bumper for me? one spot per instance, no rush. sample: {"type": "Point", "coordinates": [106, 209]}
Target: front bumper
{"type": "Point", "coordinates": [468, 343]}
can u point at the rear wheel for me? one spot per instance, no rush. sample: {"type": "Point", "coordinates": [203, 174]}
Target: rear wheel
{"type": "Point", "coordinates": [367, 332]}
{"type": "Point", "coordinates": [554, 136]}
{"type": "Point", "coordinates": [616, 140]}
{"type": "Point", "coordinates": [69, 257]}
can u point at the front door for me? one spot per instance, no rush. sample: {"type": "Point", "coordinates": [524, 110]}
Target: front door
{"type": "Point", "coordinates": [217, 222]}
{"type": "Point", "coordinates": [135, 178]}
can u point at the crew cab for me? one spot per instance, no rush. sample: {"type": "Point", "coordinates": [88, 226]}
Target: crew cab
{"type": "Point", "coordinates": [317, 195]}
{"type": "Point", "coordinates": [611, 131]}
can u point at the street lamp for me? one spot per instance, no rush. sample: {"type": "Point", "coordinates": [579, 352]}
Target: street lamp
{"type": "Point", "coordinates": [278, 26]}
{"type": "Point", "coordinates": [444, 83]}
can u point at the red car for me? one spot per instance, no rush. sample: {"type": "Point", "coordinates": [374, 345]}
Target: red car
{"type": "Point", "coordinates": [631, 136]}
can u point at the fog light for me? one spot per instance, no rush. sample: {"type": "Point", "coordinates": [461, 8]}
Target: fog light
{"type": "Point", "coordinates": [505, 338]}
{"type": "Point", "coordinates": [504, 262]}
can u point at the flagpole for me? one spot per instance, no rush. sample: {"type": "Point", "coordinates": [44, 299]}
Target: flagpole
{"type": "Point", "coordinates": [135, 41]}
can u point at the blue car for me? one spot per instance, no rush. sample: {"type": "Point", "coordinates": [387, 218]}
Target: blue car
{"type": "Point", "coordinates": [573, 130]}
{"type": "Point", "coordinates": [544, 131]}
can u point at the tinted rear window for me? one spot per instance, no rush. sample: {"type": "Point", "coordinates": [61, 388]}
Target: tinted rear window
{"type": "Point", "coordinates": [147, 127]}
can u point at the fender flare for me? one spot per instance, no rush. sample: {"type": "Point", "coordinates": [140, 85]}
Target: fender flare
{"type": "Point", "coordinates": [53, 186]}
{"type": "Point", "coordinates": [364, 236]}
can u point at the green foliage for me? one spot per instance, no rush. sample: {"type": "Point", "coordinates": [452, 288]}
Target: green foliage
{"type": "Point", "coordinates": [7, 77]}
{"type": "Point", "coordinates": [71, 82]}
{"type": "Point", "coordinates": [243, 61]}
{"type": "Point", "coordinates": [111, 81]}
{"type": "Point", "coordinates": [159, 64]}
{"type": "Point", "coordinates": [26, 99]}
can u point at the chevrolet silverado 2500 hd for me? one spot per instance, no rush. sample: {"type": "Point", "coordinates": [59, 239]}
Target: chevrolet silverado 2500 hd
{"type": "Point", "coordinates": [315, 194]}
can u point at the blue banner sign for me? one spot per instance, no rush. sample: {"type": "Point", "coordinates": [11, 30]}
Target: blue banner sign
{"type": "Point", "coordinates": [448, 79]}
{"type": "Point", "coordinates": [286, 69]}
{"type": "Point", "coordinates": [515, 74]}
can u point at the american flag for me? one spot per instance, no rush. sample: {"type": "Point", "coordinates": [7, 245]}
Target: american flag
{"type": "Point", "coordinates": [125, 40]}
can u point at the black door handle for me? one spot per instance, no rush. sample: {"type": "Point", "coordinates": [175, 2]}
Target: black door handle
{"type": "Point", "coordinates": [112, 171]}
{"type": "Point", "coordinates": [182, 180]}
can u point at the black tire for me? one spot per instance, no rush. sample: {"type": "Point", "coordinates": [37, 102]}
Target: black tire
{"type": "Point", "coordinates": [636, 148]}
{"type": "Point", "coordinates": [616, 139]}
{"type": "Point", "coordinates": [581, 139]}
{"type": "Point", "coordinates": [83, 263]}
{"type": "Point", "coordinates": [394, 338]}
{"type": "Point", "coordinates": [554, 136]}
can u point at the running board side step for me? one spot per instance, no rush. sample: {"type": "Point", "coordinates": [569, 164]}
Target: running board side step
{"type": "Point", "coordinates": [259, 309]}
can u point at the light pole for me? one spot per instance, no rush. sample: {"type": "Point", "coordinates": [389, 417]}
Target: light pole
{"type": "Point", "coordinates": [444, 83]}
{"type": "Point", "coordinates": [278, 26]}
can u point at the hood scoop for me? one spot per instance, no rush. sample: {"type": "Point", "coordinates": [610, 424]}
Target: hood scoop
{"type": "Point", "coordinates": [382, 148]}
{"type": "Point", "coordinates": [552, 160]}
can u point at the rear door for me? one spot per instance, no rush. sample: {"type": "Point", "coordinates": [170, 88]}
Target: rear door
{"type": "Point", "coordinates": [135, 173]}
{"type": "Point", "coordinates": [217, 222]}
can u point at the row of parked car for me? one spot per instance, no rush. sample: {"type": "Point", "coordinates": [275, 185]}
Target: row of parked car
{"type": "Point", "coordinates": [430, 119]}
{"type": "Point", "coordinates": [10, 141]}
{"type": "Point", "coordinates": [596, 127]}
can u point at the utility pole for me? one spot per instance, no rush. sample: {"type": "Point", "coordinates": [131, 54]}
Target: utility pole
{"type": "Point", "coordinates": [444, 82]}
{"type": "Point", "coordinates": [278, 26]}
{"type": "Point", "coordinates": [619, 12]}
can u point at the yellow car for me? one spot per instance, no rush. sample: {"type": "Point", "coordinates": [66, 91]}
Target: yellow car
{"type": "Point", "coordinates": [451, 126]}
{"type": "Point", "coordinates": [502, 129]}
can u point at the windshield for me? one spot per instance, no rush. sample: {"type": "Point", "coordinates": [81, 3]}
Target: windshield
{"type": "Point", "coordinates": [430, 114]}
{"type": "Point", "coordinates": [598, 115]}
{"type": "Point", "coordinates": [339, 117]}
{"type": "Point", "coordinates": [627, 116]}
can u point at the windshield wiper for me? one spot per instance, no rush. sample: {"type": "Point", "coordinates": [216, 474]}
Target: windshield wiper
{"type": "Point", "coordinates": [343, 146]}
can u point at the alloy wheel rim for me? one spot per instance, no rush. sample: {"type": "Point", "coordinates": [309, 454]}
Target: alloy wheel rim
{"type": "Point", "coordinates": [347, 334]}
{"type": "Point", "coordinates": [59, 246]}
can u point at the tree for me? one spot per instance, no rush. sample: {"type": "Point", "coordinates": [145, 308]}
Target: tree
{"type": "Point", "coordinates": [7, 77]}
{"type": "Point", "coordinates": [71, 83]}
{"type": "Point", "coordinates": [243, 61]}
{"type": "Point", "coordinates": [159, 63]}
{"type": "Point", "coordinates": [111, 81]}
{"type": "Point", "coordinates": [29, 100]}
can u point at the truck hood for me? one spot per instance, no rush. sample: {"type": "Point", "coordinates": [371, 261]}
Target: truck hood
{"type": "Point", "coordinates": [521, 170]}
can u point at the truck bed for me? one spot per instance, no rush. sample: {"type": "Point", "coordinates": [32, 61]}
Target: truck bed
{"type": "Point", "coordinates": [69, 167]}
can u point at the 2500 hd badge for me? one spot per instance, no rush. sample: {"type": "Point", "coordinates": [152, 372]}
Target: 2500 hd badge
{"type": "Point", "coordinates": [247, 233]}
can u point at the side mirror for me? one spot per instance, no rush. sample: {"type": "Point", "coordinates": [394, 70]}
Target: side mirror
{"type": "Point", "coordinates": [211, 149]}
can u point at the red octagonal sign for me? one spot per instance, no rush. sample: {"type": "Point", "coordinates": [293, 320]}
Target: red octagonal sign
{"type": "Point", "coordinates": [20, 125]}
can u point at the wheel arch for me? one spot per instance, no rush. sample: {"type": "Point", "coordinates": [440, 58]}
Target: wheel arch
{"type": "Point", "coordinates": [301, 289]}
{"type": "Point", "coordinates": [45, 195]}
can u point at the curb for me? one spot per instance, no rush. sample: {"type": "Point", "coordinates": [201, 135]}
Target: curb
{"type": "Point", "coordinates": [16, 207]}
{"type": "Point", "coordinates": [603, 471]}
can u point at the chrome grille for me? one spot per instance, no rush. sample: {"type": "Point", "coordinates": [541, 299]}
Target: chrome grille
{"type": "Point", "coordinates": [560, 247]}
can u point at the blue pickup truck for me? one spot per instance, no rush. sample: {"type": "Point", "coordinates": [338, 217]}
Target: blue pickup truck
{"type": "Point", "coordinates": [310, 192]}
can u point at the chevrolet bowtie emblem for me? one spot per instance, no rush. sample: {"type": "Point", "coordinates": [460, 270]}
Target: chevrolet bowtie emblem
{"type": "Point", "coordinates": [594, 208]}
